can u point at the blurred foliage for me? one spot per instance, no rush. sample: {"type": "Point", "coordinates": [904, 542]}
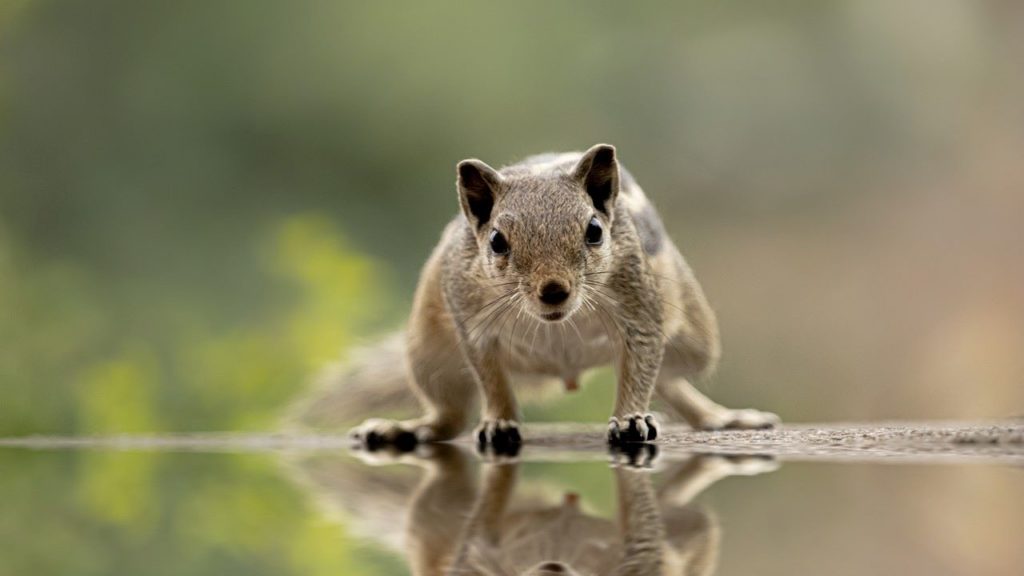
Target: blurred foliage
{"type": "Point", "coordinates": [101, 513]}
{"type": "Point", "coordinates": [198, 199]}
{"type": "Point", "coordinates": [71, 367]}
{"type": "Point", "coordinates": [203, 202]}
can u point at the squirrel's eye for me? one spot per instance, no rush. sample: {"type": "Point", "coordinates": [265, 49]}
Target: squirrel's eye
{"type": "Point", "coordinates": [498, 243]}
{"type": "Point", "coordinates": [595, 232]}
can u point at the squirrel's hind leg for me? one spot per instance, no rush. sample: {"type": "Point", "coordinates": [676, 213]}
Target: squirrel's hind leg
{"type": "Point", "coordinates": [405, 435]}
{"type": "Point", "coordinates": [703, 413]}
{"type": "Point", "coordinates": [447, 392]}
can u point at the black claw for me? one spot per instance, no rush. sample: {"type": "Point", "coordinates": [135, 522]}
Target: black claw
{"type": "Point", "coordinates": [652, 428]}
{"type": "Point", "coordinates": [629, 431]}
{"type": "Point", "coordinates": [633, 432]}
{"type": "Point", "coordinates": [373, 440]}
{"type": "Point", "coordinates": [500, 439]}
{"type": "Point", "coordinates": [505, 440]}
{"type": "Point", "coordinates": [508, 450]}
{"type": "Point", "coordinates": [406, 441]}
{"type": "Point", "coordinates": [507, 436]}
{"type": "Point", "coordinates": [614, 435]}
{"type": "Point", "coordinates": [503, 450]}
{"type": "Point", "coordinates": [513, 435]}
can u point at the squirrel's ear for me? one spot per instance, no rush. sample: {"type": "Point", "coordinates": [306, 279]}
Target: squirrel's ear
{"type": "Point", "coordinates": [478, 188]}
{"type": "Point", "coordinates": [598, 170]}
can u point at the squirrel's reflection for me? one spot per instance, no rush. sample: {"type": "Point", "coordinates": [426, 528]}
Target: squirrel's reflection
{"type": "Point", "coordinates": [464, 520]}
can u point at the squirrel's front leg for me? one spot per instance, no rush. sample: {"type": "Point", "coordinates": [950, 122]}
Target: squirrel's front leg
{"type": "Point", "coordinates": [487, 519]}
{"type": "Point", "coordinates": [640, 357]}
{"type": "Point", "coordinates": [498, 427]}
{"type": "Point", "coordinates": [643, 530]}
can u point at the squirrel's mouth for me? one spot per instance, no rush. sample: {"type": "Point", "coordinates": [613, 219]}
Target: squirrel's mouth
{"type": "Point", "coordinates": [558, 315]}
{"type": "Point", "coordinates": [547, 312]}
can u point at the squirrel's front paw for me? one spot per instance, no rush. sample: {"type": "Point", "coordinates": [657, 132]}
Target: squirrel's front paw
{"type": "Point", "coordinates": [377, 433]}
{"type": "Point", "coordinates": [502, 435]}
{"type": "Point", "coordinates": [633, 428]}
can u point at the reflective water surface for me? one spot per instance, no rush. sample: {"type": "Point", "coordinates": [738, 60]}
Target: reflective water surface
{"type": "Point", "coordinates": [447, 510]}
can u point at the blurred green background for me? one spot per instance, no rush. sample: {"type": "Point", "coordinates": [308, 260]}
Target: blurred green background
{"type": "Point", "coordinates": [201, 203]}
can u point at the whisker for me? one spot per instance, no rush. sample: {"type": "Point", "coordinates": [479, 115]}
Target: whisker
{"type": "Point", "coordinates": [496, 313]}
{"type": "Point", "coordinates": [480, 335]}
{"type": "Point", "coordinates": [501, 327]}
{"type": "Point", "coordinates": [518, 299]}
{"type": "Point", "coordinates": [482, 321]}
{"type": "Point", "coordinates": [492, 302]}
{"type": "Point", "coordinates": [572, 323]}
{"type": "Point", "coordinates": [536, 329]}
{"type": "Point", "coordinates": [602, 316]}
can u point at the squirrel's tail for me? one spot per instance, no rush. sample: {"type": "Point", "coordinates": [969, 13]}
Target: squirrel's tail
{"type": "Point", "coordinates": [373, 381]}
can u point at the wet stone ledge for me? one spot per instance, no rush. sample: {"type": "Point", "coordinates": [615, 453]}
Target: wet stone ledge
{"type": "Point", "coordinates": [991, 441]}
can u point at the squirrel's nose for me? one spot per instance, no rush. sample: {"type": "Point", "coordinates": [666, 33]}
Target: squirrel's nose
{"type": "Point", "coordinates": [554, 293]}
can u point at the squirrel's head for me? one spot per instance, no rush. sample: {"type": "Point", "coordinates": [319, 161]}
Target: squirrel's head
{"type": "Point", "coordinates": [543, 233]}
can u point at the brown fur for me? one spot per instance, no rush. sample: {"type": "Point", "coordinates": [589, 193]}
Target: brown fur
{"type": "Point", "coordinates": [460, 521]}
{"type": "Point", "coordinates": [479, 321]}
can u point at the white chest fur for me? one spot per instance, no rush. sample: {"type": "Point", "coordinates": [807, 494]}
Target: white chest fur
{"type": "Point", "coordinates": [564, 349]}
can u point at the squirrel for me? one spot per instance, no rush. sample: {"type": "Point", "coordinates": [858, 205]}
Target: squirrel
{"type": "Point", "coordinates": [556, 264]}
{"type": "Point", "coordinates": [466, 516]}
